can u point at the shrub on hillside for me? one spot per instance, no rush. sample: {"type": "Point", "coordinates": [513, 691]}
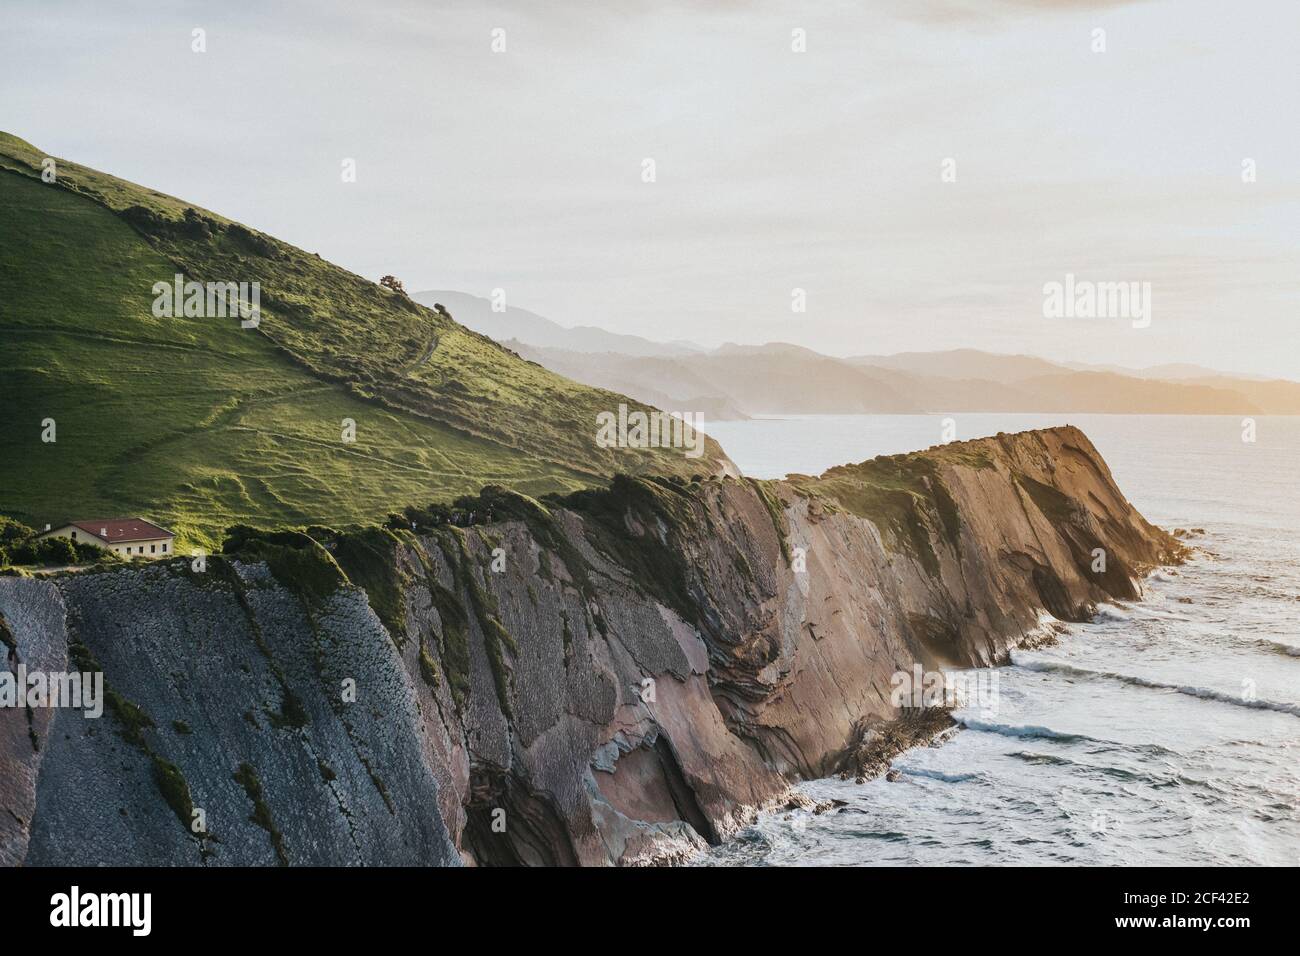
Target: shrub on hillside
{"type": "Point", "coordinates": [19, 544]}
{"type": "Point", "coordinates": [12, 531]}
{"type": "Point", "coordinates": [253, 242]}
{"type": "Point", "coordinates": [43, 551]}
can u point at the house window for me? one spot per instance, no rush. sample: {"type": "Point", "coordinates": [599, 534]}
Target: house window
{"type": "Point", "coordinates": [153, 548]}
{"type": "Point", "coordinates": [74, 536]}
{"type": "Point", "coordinates": [164, 547]}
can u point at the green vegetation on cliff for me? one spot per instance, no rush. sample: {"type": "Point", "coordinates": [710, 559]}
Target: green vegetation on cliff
{"type": "Point", "coordinates": [903, 495]}
{"type": "Point", "coordinates": [133, 722]}
{"type": "Point", "coordinates": [247, 778]}
{"type": "Point", "coordinates": [649, 549]}
{"type": "Point", "coordinates": [368, 557]}
{"type": "Point", "coordinates": [200, 424]}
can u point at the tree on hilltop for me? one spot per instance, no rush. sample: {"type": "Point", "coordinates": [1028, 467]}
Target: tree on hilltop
{"type": "Point", "coordinates": [394, 283]}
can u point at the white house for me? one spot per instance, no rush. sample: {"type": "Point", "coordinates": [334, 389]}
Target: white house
{"type": "Point", "coordinates": [132, 537]}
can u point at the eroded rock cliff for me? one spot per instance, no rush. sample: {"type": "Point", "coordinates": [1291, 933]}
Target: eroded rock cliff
{"type": "Point", "coordinates": [614, 677]}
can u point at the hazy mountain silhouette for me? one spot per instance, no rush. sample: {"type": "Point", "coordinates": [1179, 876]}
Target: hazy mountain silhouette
{"type": "Point", "coordinates": [514, 323]}
{"type": "Point", "coordinates": [737, 381]}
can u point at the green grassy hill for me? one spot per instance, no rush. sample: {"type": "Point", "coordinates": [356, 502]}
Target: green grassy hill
{"type": "Point", "coordinates": [200, 424]}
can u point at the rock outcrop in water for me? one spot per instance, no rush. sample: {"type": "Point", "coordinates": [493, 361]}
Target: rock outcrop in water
{"type": "Point", "coordinates": [615, 678]}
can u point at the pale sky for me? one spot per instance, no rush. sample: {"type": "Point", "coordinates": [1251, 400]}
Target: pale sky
{"type": "Point", "coordinates": [818, 170]}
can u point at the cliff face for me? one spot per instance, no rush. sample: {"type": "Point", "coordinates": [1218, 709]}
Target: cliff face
{"type": "Point", "coordinates": [614, 678]}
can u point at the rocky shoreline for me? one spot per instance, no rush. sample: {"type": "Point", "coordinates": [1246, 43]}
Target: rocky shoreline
{"type": "Point", "coordinates": [617, 677]}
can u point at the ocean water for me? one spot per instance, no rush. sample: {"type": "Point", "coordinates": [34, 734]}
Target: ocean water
{"type": "Point", "coordinates": [1165, 731]}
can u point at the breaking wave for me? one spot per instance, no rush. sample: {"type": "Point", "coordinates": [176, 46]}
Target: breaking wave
{"type": "Point", "coordinates": [1030, 732]}
{"type": "Point", "coordinates": [1203, 693]}
{"type": "Point", "coordinates": [1277, 647]}
{"type": "Point", "coordinates": [939, 775]}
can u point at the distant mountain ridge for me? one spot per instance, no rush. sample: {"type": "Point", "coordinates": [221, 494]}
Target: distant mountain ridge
{"type": "Point", "coordinates": [737, 381]}
{"type": "Point", "coordinates": [477, 313]}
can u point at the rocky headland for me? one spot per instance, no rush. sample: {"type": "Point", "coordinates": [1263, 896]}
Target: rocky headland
{"type": "Point", "coordinates": [615, 677]}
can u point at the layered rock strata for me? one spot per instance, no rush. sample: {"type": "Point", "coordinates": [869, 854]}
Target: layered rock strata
{"type": "Point", "coordinates": [616, 677]}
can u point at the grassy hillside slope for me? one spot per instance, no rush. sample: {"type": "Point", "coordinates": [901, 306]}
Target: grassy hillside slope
{"type": "Point", "coordinates": [199, 424]}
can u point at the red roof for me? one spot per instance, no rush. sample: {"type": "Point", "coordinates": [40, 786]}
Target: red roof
{"type": "Point", "coordinates": [123, 529]}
